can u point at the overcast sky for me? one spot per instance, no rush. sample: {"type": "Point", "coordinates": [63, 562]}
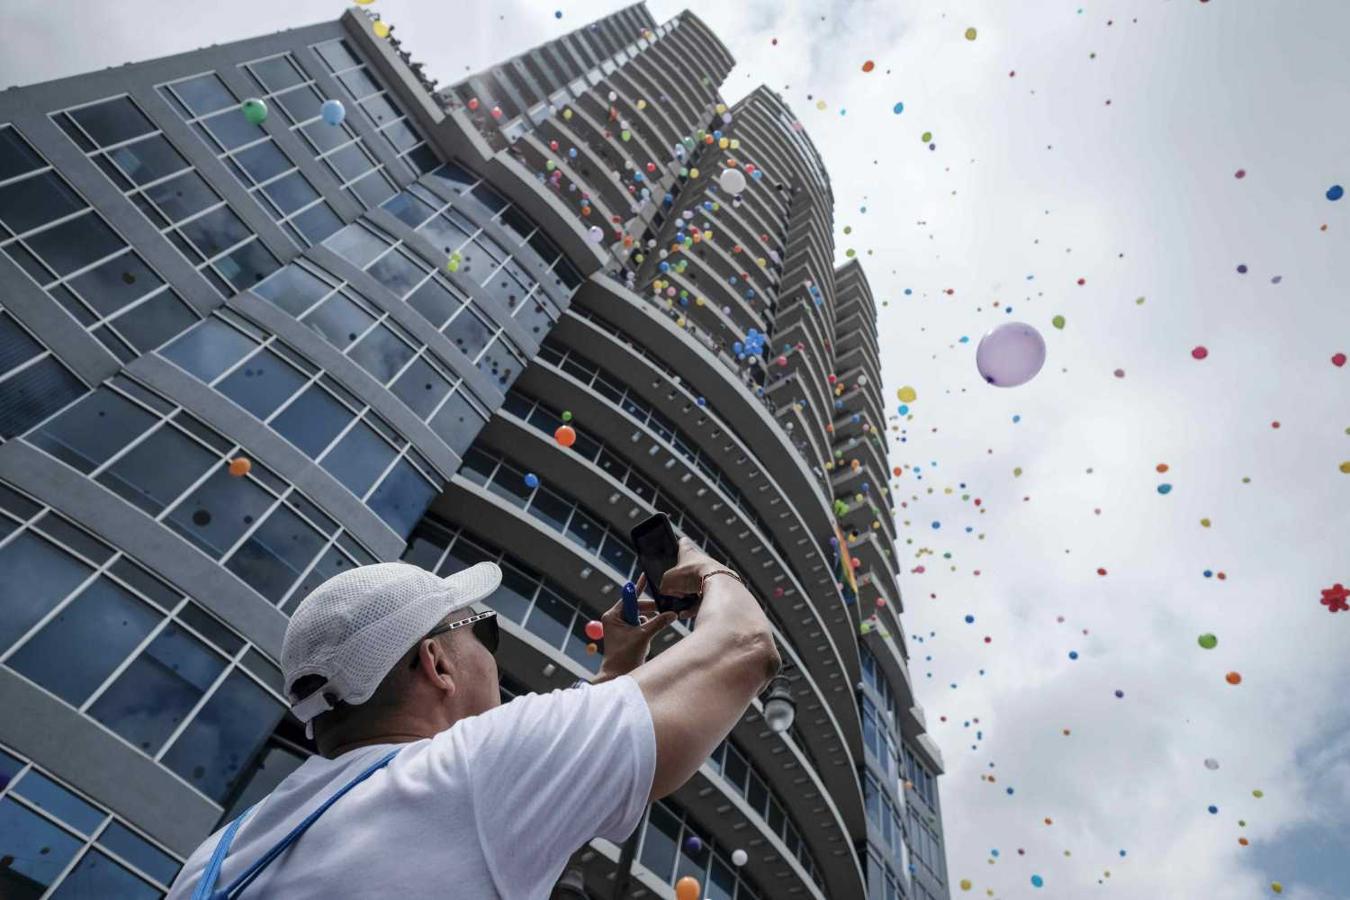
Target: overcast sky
{"type": "Point", "coordinates": [1109, 156]}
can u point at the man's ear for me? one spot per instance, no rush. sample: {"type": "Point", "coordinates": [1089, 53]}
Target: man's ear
{"type": "Point", "coordinates": [434, 664]}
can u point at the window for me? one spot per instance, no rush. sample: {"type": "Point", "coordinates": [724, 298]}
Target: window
{"type": "Point", "coordinates": [274, 182]}
{"type": "Point", "coordinates": [368, 99]}
{"type": "Point", "coordinates": [339, 147]}
{"type": "Point", "coordinates": [33, 384]}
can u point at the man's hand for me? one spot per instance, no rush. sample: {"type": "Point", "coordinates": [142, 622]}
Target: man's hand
{"type": "Point", "coordinates": [626, 645]}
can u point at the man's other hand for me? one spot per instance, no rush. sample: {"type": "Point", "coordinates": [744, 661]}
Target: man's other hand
{"type": "Point", "coordinates": [626, 646]}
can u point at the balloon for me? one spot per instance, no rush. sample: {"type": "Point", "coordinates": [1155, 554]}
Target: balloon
{"type": "Point", "coordinates": [381, 29]}
{"type": "Point", "coordinates": [1058, 322]}
{"type": "Point", "coordinates": [1212, 764]}
{"type": "Point", "coordinates": [240, 466]}
{"type": "Point", "coordinates": [1208, 641]}
{"type": "Point", "coordinates": [971, 34]}
{"type": "Point", "coordinates": [1010, 355]}
{"type": "Point", "coordinates": [595, 235]}
{"type": "Point", "coordinates": [731, 181]}
{"type": "Point", "coordinates": [565, 435]}
{"type": "Point", "coordinates": [693, 844]}
{"type": "Point", "coordinates": [907, 394]}
{"type": "Point", "coordinates": [688, 888]}
{"type": "Point", "coordinates": [739, 857]}
{"type": "Point", "coordinates": [1233, 678]}
{"type": "Point", "coordinates": [1335, 192]}
{"type": "Point", "coordinates": [333, 112]}
{"type": "Point", "coordinates": [531, 480]}
{"type": "Point", "coordinates": [1036, 880]}
{"type": "Point", "coordinates": [254, 110]}
{"type": "Point", "coordinates": [595, 630]}
{"type": "Point", "coordinates": [898, 108]}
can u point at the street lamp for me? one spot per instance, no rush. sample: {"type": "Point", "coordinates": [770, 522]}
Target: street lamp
{"type": "Point", "coordinates": [780, 710]}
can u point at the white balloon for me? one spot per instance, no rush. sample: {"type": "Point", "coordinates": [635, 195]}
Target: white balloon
{"type": "Point", "coordinates": [739, 857]}
{"type": "Point", "coordinates": [595, 235]}
{"type": "Point", "coordinates": [731, 181]}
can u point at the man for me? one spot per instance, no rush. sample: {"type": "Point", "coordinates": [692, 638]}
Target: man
{"type": "Point", "coordinates": [448, 793]}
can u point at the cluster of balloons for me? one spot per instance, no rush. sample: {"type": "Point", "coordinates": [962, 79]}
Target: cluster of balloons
{"type": "Point", "coordinates": [751, 347]}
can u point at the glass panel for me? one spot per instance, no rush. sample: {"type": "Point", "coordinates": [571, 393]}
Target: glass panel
{"type": "Point", "coordinates": [551, 508]}
{"type": "Point", "coordinates": [293, 288]}
{"type": "Point", "coordinates": [382, 354]}
{"type": "Point", "coordinates": [331, 563]}
{"type": "Point", "coordinates": [112, 121]}
{"type": "Point", "coordinates": [231, 129]}
{"type": "Point", "coordinates": [116, 283]}
{"type": "Point", "coordinates": [356, 244]}
{"type": "Point", "coordinates": [263, 774]}
{"type": "Point", "coordinates": [204, 94]}
{"type": "Point", "coordinates": [585, 531]}
{"type": "Point", "coordinates": [151, 697]}
{"type": "Point", "coordinates": [659, 842]}
{"type": "Point", "coordinates": [402, 497]}
{"type": "Point", "coordinates": [551, 618]}
{"type": "Point", "coordinates": [312, 421]}
{"type": "Point", "coordinates": [28, 204]}
{"type": "Point", "coordinates": [275, 555]}
{"type": "Point", "coordinates": [185, 196]}
{"type": "Point", "coordinates": [513, 598]}
{"type": "Point", "coordinates": [421, 387]}
{"type": "Point", "coordinates": [215, 751]}
{"type": "Point", "coordinates": [434, 302]}
{"type": "Point", "coordinates": [85, 435]}
{"type": "Point", "coordinates": [470, 333]}
{"type": "Point", "coordinates": [98, 876]}
{"type": "Point", "coordinates": [36, 575]}
{"type": "Point", "coordinates": [105, 622]}
{"type": "Point", "coordinates": [262, 383]}
{"type": "Point", "coordinates": [373, 189]}
{"type": "Point", "coordinates": [16, 157]}
{"type": "Point", "coordinates": [215, 514]}
{"type": "Point", "coordinates": [458, 423]}
{"type": "Point", "coordinates": [148, 160]}
{"type": "Point", "coordinates": [290, 193]}
{"type": "Point", "coordinates": [301, 104]}
{"type": "Point", "coordinates": [317, 222]}
{"type": "Point", "coordinates": [155, 472]}
{"type": "Point", "coordinates": [36, 851]}
{"type": "Point", "coordinates": [617, 554]}
{"type": "Point", "coordinates": [359, 458]}
{"type": "Point", "coordinates": [262, 161]}
{"type": "Point", "coordinates": [156, 320]}
{"type": "Point", "coordinates": [409, 209]}
{"type": "Point", "coordinates": [248, 265]}
{"type": "Point", "coordinates": [61, 803]}
{"type": "Point", "coordinates": [215, 232]}
{"type": "Point", "coordinates": [398, 273]}
{"type": "Point", "coordinates": [340, 320]}
{"type": "Point", "coordinates": [75, 244]}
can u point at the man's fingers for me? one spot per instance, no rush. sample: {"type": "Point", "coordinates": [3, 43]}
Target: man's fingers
{"type": "Point", "coordinates": [656, 623]}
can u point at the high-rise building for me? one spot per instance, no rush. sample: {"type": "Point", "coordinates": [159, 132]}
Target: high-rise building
{"type": "Point", "coordinates": [250, 337]}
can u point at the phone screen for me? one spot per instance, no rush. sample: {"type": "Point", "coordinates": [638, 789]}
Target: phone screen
{"type": "Point", "coordinates": [658, 550]}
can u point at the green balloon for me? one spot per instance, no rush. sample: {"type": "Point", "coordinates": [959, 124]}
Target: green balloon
{"type": "Point", "coordinates": [254, 110]}
{"type": "Point", "coordinates": [1208, 641]}
{"type": "Point", "coordinates": [926, 136]}
{"type": "Point", "coordinates": [567, 415]}
{"type": "Point", "coordinates": [1058, 322]}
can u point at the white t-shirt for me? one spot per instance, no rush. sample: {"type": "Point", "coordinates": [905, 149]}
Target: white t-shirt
{"type": "Point", "coordinates": [491, 808]}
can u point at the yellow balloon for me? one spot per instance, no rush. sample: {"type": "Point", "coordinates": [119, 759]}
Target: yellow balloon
{"type": "Point", "coordinates": [724, 143]}
{"type": "Point", "coordinates": [693, 173]}
{"type": "Point", "coordinates": [907, 394]}
{"type": "Point", "coordinates": [965, 884]}
{"type": "Point", "coordinates": [380, 28]}
{"type": "Point", "coordinates": [1277, 887]}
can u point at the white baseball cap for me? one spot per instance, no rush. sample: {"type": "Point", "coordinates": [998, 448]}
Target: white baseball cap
{"type": "Point", "coordinates": [354, 627]}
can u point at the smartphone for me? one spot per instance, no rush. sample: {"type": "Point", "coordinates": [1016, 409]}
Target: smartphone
{"type": "Point", "coordinates": [658, 550]}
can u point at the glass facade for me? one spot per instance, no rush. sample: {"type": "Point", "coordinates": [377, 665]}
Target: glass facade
{"type": "Point", "coordinates": [283, 84]}
{"type": "Point", "coordinates": [53, 838]}
{"type": "Point", "coordinates": [371, 100]}
{"type": "Point", "coordinates": [72, 253]}
{"type": "Point", "coordinates": [269, 176]}
{"type": "Point", "coordinates": [154, 667]}
{"type": "Point", "coordinates": [173, 467]}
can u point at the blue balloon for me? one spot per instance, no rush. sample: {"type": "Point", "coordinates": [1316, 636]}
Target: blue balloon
{"type": "Point", "coordinates": [531, 480]}
{"type": "Point", "coordinates": [333, 112]}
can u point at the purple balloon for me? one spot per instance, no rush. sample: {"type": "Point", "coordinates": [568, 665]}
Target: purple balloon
{"type": "Point", "coordinates": [1010, 355]}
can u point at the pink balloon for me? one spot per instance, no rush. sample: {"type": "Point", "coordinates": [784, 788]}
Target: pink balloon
{"type": "Point", "coordinates": [1010, 355]}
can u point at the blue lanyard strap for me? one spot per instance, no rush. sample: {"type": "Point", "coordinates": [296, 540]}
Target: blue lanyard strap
{"type": "Point", "coordinates": [206, 887]}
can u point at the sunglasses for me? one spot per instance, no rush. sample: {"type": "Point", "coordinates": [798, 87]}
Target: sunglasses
{"type": "Point", "coordinates": [484, 628]}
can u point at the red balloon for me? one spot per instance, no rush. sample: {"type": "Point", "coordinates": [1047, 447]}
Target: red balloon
{"type": "Point", "coordinates": [595, 630]}
{"type": "Point", "coordinates": [1338, 360]}
{"type": "Point", "coordinates": [1199, 353]}
{"type": "Point", "coordinates": [565, 435]}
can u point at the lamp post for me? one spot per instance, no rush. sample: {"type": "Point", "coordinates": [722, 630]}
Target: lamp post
{"type": "Point", "coordinates": [780, 710]}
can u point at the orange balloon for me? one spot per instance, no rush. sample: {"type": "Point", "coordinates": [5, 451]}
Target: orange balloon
{"type": "Point", "coordinates": [565, 435]}
{"type": "Point", "coordinates": [240, 466]}
{"type": "Point", "coordinates": [687, 888]}
{"type": "Point", "coordinates": [1233, 678]}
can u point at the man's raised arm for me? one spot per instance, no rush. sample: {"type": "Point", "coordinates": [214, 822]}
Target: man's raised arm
{"type": "Point", "coordinates": [699, 688]}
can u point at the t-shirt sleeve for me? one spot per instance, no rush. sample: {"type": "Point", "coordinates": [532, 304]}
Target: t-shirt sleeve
{"type": "Point", "coordinates": [549, 772]}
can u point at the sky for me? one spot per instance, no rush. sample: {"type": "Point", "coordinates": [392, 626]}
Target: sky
{"type": "Point", "coordinates": [1083, 164]}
